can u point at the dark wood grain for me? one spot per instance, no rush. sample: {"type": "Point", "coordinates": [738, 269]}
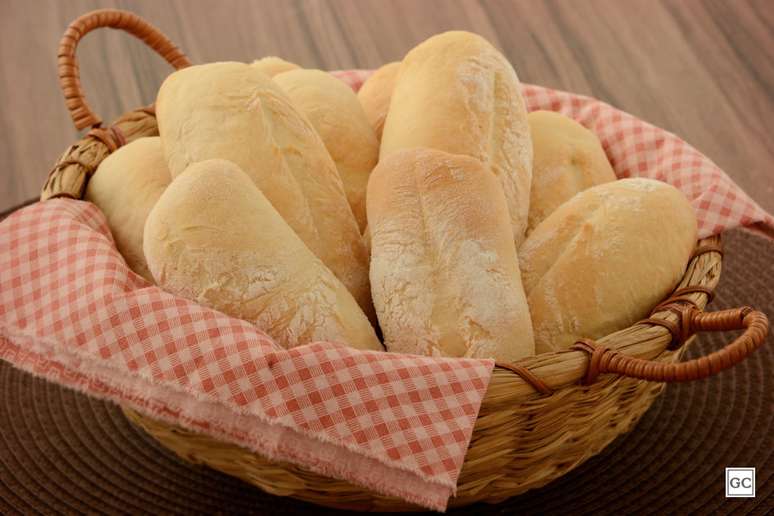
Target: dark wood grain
{"type": "Point", "coordinates": [701, 69]}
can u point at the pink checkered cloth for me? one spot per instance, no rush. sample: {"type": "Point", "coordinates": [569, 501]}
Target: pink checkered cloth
{"type": "Point", "coordinates": [72, 312]}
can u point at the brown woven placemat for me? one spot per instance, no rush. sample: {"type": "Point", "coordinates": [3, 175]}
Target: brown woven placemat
{"type": "Point", "coordinates": [61, 451]}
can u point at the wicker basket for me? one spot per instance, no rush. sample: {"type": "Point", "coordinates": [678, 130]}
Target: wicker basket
{"type": "Point", "coordinates": [541, 417]}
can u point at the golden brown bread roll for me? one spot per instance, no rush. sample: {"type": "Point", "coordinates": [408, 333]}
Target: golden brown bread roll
{"type": "Point", "coordinates": [375, 94]}
{"type": "Point", "coordinates": [604, 259]}
{"type": "Point", "coordinates": [233, 111]}
{"type": "Point", "coordinates": [444, 273]}
{"type": "Point", "coordinates": [457, 93]}
{"type": "Point", "coordinates": [273, 65]}
{"type": "Point", "coordinates": [214, 238]}
{"type": "Point", "coordinates": [568, 158]}
{"type": "Point", "coordinates": [334, 111]}
{"type": "Point", "coordinates": [125, 187]}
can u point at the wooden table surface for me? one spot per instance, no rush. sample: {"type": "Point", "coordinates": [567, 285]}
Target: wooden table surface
{"type": "Point", "coordinates": [703, 70]}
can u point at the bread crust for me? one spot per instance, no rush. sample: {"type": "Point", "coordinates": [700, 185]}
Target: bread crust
{"type": "Point", "coordinates": [457, 93]}
{"type": "Point", "coordinates": [125, 188]}
{"type": "Point", "coordinates": [233, 111]}
{"type": "Point", "coordinates": [273, 65]}
{"type": "Point", "coordinates": [568, 158]}
{"type": "Point", "coordinates": [375, 94]}
{"type": "Point", "coordinates": [604, 259]}
{"type": "Point", "coordinates": [444, 273]}
{"type": "Point", "coordinates": [337, 116]}
{"type": "Point", "coordinates": [214, 238]}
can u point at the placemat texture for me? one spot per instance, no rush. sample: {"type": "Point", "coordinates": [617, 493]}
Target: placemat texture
{"type": "Point", "coordinates": [61, 451]}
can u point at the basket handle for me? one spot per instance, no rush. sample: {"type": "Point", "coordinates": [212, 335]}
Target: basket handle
{"type": "Point", "coordinates": [754, 323]}
{"type": "Point", "coordinates": [69, 73]}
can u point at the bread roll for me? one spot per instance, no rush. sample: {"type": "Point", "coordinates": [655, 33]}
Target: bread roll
{"type": "Point", "coordinates": [375, 94]}
{"type": "Point", "coordinates": [272, 65]}
{"type": "Point", "coordinates": [457, 93]}
{"type": "Point", "coordinates": [125, 187]}
{"type": "Point", "coordinates": [214, 238]}
{"type": "Point", "coordinates": [232, 111]}
{"type": "Point", "coordinates": [568, 158]}
{"type": "Point", "coordinates": [332, 108]}
{"type": "Point", "coordinates": [444, 273]}
{"type": "Point", "coordinates": [604, 259]}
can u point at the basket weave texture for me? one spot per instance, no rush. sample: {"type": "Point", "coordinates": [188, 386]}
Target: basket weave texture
{"type": "Point", "coordinates": [541, 417]}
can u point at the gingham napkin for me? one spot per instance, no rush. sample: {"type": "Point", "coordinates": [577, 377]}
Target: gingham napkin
{"type": "Point", "coordinates": [72, 312]}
